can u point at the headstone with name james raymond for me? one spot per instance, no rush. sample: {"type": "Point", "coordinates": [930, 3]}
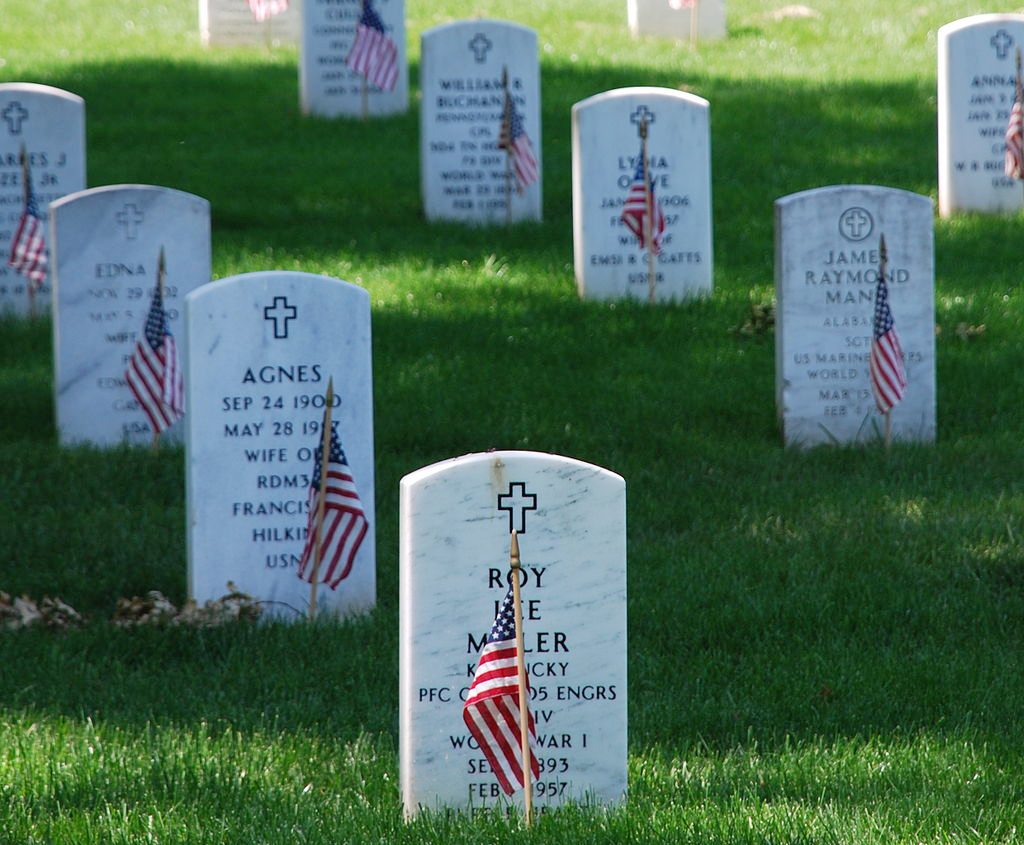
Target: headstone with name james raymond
{"type": "Point", "coordinates": [262, 348]}
{"type": "Point", "coordinates": [826, 273]}
{"type": "Point", "coordinates": [328, 86]}
{"type": "Point", "coordinates": [455, 525]}
{"type": "Point", "coordinates": [665, 19]}
{"type": "Point", "coordinates": [231, 23]}
{"type": "Point", "coordinates": [105, 251]}
{"type": "Point", "coordinates": [50, 124]}
{"type": "Point", "coordinates": [976, 85]}
{"type": "Point", "coordinates": [467, 67]}
{"type": "Point", "coordinates": [611, 262]}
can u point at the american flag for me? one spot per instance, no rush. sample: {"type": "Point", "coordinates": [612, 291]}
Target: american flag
{"type": "Point", "coordinates": [513, 138]}
{"type": "Point", "coordinates": [154, 372]}
{"type": "Point", "coordinates": [682, 4]}
{"type": "Point", "coordinates": [373, 54]}
{"type": "Point", "coordinates": [263, 9]}
{"type": "Point", "coordinates": [888, 376]}
{"type": "Point", "coordinates": [28, 248]}
{"type": "Point", "coordinates": [1014, 164]}
{"type": "Point", "coordinates": [634, 212]}
{"type": "Point", "coordinates": [345, 524]}
{"type": "Point", "coordinates": [491, 711]}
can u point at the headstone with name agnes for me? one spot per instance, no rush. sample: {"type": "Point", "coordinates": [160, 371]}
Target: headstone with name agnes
{"type": "Point", "coordinates": [328, 86]}
{"type": "Point", "coordinates": [976, 86]}
{"type": "Point", "coordinates": [826, 273]}
{"type": "Point", "coordinates": [231, 23]}
{"type": "Point", "coordinates": [105, 252]}
{"type": "Point", "coordinates": [466, 69]}
{"type": "Point", "coordinates": [610, 260]}
{"type": "Point", "coordinates": [50, 124]}
{"type": "Point", "coordinates": [667, 19]}
{"type": "Point", "coordinates": [455, 525]}
{"type": "Point", "coordinates": [262, 348]}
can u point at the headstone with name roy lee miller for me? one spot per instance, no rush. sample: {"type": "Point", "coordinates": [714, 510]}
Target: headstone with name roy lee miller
{"type": "Point", "coordinates": [827, 262]}
{"type": "Point", "coordinates": [612, 261]}
{"type": "Point", "coordinates": [667, 19]}
{"type": "Point", "coordinates": [456, 521]}
{"type": "Point", "coordinates": [232, 23]}
{"type": "Point", "coordinates": [474, 74]}
{"type": "Point", "coordinates": [976, 88]}
{"type": "Point", "coordinates": [263, 347]}
{"type": "Point", "coordinates": [50, 124]}
{"type": "Point", "coordinates": [334, 33]}
{"type": "Point", "coordinates": [106, 247]}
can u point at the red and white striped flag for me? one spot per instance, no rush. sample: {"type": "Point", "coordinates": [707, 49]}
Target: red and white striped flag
{"type": "Point", "coordinates": [886, 361]}
{"type": "Point", "coordinates": [28, 248]}
{"type": "Point", "coordinates": [1014, 164]}
{"type": "Point", "coordinates": [263, 9]}
{"type": "Point", "coordinates": [373, 54]}
{"type": "Point", "coordinates": [154, 372]}
{"type": "Point", "coordinates": [682, 4]}
{"type": "Point", "coordinates": [345, 524]}
{"type": "Point", "coordinates": [491, 711]}
{"type": "Point", "coordinates": [513, 137]}
{"type": "Point", "coordinates": [634, 212]}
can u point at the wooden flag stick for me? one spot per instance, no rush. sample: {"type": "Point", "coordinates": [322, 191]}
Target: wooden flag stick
{"type": "Point", "coordinates": [649, 205]}
{"type": "Point", "coordinates": [366, 98]}
{"type": "Point", "coordinates": [325, 445]}
{"type": "Point", "coordinates": [693, 23]}
{"type": "Point", "coordinates": [883, 255]}
{"type": "Point", "coordinates": [506, 127]}
{"type": "Point", "coordinates": [159, 292]}
{"type": "Point", "coordinates": [524, 713]}
{"type": "Point", "coordinates": [26, 189]}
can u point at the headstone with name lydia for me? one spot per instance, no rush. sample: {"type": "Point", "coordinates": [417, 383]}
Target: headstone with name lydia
{"type": "Point", "coordinates": [49, 123]}
{"type": "Point", "coordinates": [455, 528]}
{"type": "Point", "coordinates": [676, 18]}
{"type": "Point", "coordinates": [612, 260]}
{"type": "Point", "coordinates": [471, 73]}
{"type": "Point", "coordinates": [262, 349]}
{"type": "Point", "coordinates": [977, 59]}
{"type": "Point", "coordinates": [234, 23]}
{"type": "Point", "coordinates": [105, 251]}
{"type": "Point", "coordinates": [827, 261]}
{"type": "Point", "coordinates": [353, 58]}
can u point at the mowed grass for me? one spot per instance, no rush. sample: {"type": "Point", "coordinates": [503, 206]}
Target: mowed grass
{"type": "Point", "coordinates": [824, 646]}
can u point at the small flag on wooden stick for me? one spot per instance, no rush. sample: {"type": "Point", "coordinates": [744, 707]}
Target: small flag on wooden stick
{"type": "Point", "coordinates": [1014, 164]}
{"type": "Point", "coordinates": [513, 139]}
{"type": "Point", "coordinates": [373, 54]}
{"type": "Point", "coordinates": [886, 361]}
{"type": "Point", "coordinates": [263, 9]}
{"type": "Point", "coordinates": [28, 247]}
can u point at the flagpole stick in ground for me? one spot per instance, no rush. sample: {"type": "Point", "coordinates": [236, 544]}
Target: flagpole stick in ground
{"type": "Point", "coordinates": [693, 23]}
{"type": "Point", "coordinates": [506, 127]}
{"type": "Point", "coordinates": [366, 98]}
{"type": "Point", "coordinates": [649, 217]}
{"type": "Point", "coordinates": [883, 254]}
{"type": "Point", "coordinates": [524, 715]}
{"type": "Point", "coordinates": [25, 191]}
{"type": "Point", "coordinates": [325, 444]}
{"type": "Point", "coordinates": [160, 269]}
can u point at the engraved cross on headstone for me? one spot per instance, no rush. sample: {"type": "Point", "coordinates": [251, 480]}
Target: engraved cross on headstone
{"type": "Point", "coordinates": [280, 312]}
{"type": "Point", "coordinates": [480, 45]}
{"type": "Point", "coordinates": [855, 224]}
{"type": "Point", "coordinates": [1002, 41]}
{"type": "Point", "coordinates": [14, 114]}
{"type": "Point", "coordinates": [129, 217]}
{"type": "Point", "coordinates": [642, 117]}
{"type": "Point", "coordinates": [517, 502]}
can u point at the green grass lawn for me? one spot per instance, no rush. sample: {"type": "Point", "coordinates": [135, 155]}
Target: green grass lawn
{"type": "Point", "coordinates": [824, 646]}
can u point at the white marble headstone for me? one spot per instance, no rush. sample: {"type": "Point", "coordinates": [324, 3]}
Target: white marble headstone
{"type": "Point", "coordinates": [105, 251]}
{"type": "Point", "coordinates": [976, 73]}
{"type": "Point", "coordinates": [661, 18]}
{"type": "Point", "coordinates": [455, 525]}
{"type": "Point", "coordinates": [50, 123]}
{"type": "Point", "coordinates": [262, 347]}
{"type": "Point", "coordinates": [327, 86]}
{"type": "Point", "coordinates": [610, 263]}
{"type": "Point", "coordinates": [230, 23]}
{"type": "Point", "coordinates": [463, 173]}
{"type": "Point", "coordinates": [826, 273]}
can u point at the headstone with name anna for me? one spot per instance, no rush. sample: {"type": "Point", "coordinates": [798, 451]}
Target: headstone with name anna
{"type": "Point", "coordinates": [456, 521]}
{"type": "Point", "coordinates": [977, 59]}
{"type": "Point", "coordinates": [105, 251]}
{"type": "Point", "coordinates": [827, 261]}
{"type": "Point", "coordinates": [328, 86]}
{"type": "Point", "coordinates": [610, 260]}
{"type": "Point", "coordinates": [262, 349]}
{"type": "Point", "coordinates": [50, 124]}
{"type": "Point", "coordinates": [231, 23]}
{"type": "Point", "coordinates": [467, 69]}
{"type": "Point", "coordinates": [668, 19]}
